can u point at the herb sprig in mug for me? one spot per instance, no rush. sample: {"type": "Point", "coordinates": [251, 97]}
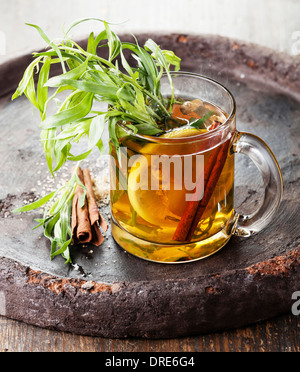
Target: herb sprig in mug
{"type": "Point", "coordinates": [132, 94]}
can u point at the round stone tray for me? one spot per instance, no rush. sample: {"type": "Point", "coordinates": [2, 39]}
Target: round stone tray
{"type": "Point", "coordinates": [109, 293]}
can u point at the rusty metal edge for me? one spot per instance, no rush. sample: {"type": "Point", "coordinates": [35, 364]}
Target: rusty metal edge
{"type": "Point", "coordinates": [140, 309]}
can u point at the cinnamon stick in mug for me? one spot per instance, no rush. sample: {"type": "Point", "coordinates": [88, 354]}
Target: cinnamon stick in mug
{"type": "Point", "coordinates": [195, 208]}
{"type": "Point", "coordinates": [210, 187]}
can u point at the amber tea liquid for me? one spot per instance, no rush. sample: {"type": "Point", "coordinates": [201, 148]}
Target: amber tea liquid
{"type": "Point", "coordinates": [145, 218]}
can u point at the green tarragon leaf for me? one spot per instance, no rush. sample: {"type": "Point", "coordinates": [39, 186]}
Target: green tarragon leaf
{"type": "Point", "coordinates": [28, 74]}
{"type": "Point", "coordinates": [42, 89]}
{"type": "Point", "coordinates": [74, 74]}
{"type": "Point", "coordinates": [50, 43]}
{"type": "Point", "coordinates": [199, 123]}
{"type": "Point", "coordinates": [103, 89]}
{"type": "Point", "coordinates": [37, 204]}
{"type": "Point", "coordinates": [70, 115]}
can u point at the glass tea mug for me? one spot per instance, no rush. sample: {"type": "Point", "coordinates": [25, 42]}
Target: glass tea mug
{"type": "Point", "coordinates": [171, 224]}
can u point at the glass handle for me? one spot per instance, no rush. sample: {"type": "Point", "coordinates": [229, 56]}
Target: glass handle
{"type": "Point", "coordinates": [259, 152]}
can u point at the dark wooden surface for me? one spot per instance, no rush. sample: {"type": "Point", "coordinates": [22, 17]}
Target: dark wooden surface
{"type": "Point", "coordinates": [281, 334]}
{"type": "Point", "coordinates": [249, 280]}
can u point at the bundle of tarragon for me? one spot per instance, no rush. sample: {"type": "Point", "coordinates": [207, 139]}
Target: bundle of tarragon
{"type": "Point", "coordinates": [132, 94]}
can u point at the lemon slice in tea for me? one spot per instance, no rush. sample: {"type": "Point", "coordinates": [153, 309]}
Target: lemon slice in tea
{"type": "Point", "coordinates": [161, 207]}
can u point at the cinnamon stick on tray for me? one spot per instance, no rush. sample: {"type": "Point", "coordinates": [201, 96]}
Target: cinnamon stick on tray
{"type": "Point", "coordinates": [86, 221]}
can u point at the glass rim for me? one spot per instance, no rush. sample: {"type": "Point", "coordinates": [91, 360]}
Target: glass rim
{"type": "Point", "coordinates": [200, 136]}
